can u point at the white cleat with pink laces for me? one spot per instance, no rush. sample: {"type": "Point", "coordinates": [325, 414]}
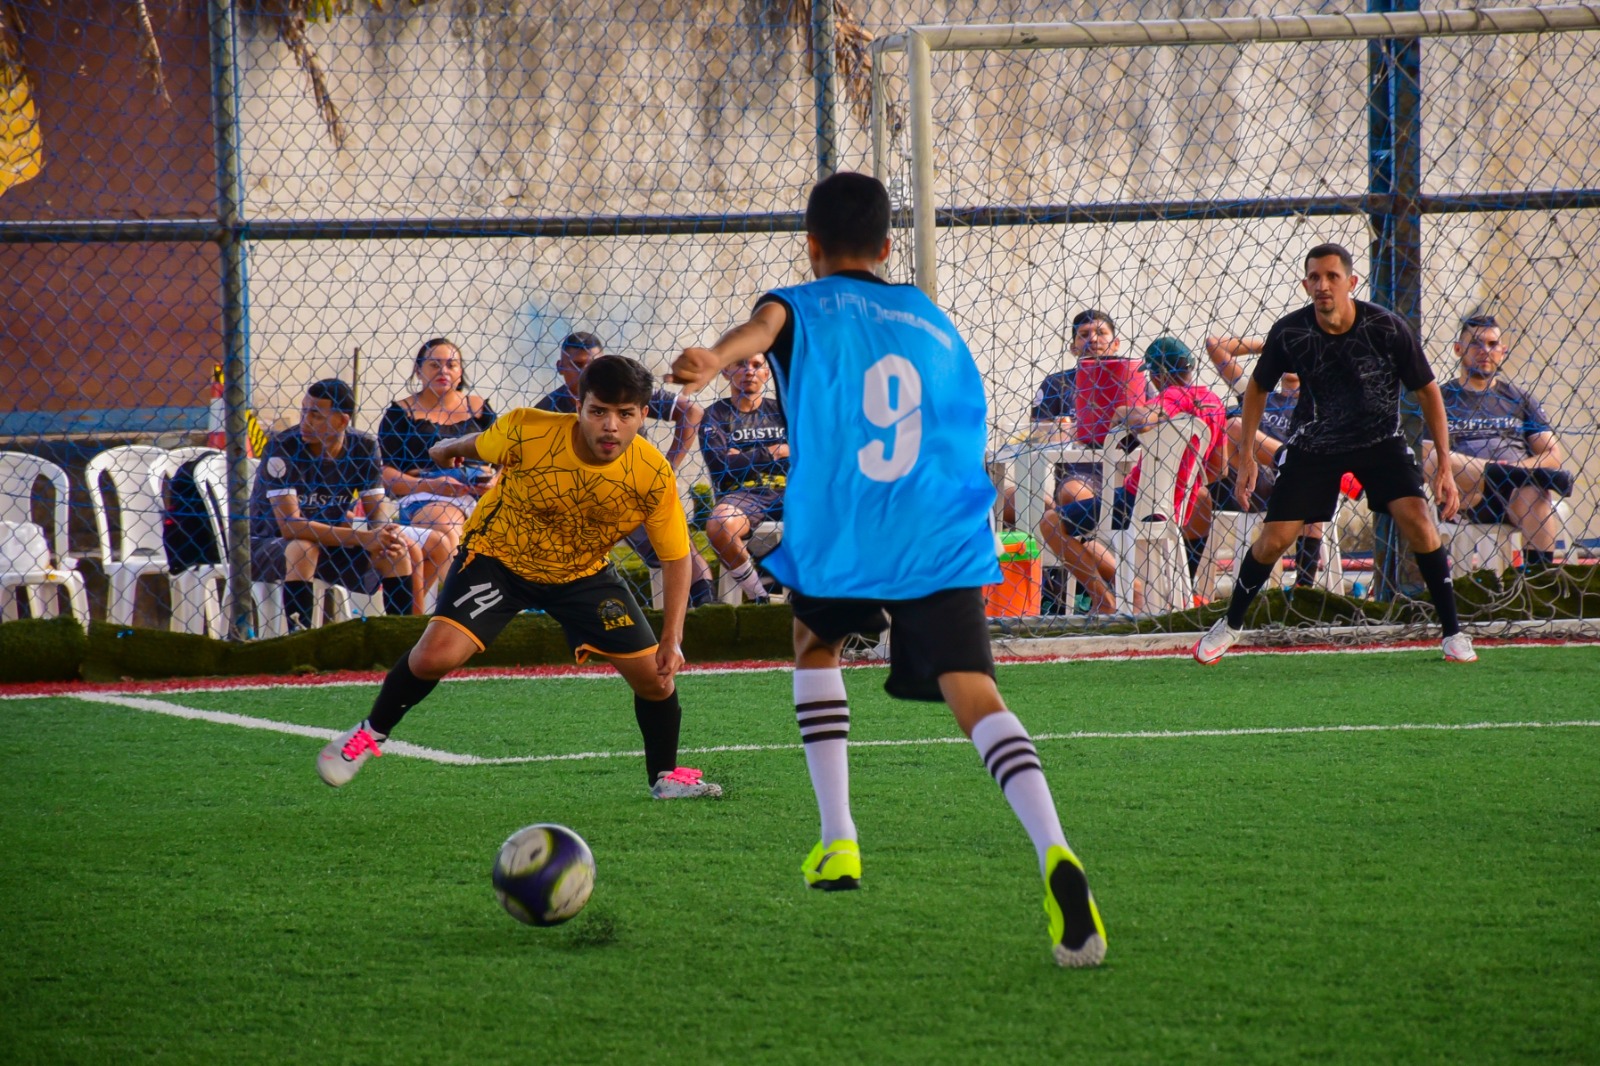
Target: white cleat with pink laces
{"type": "Point", "coordinates": [342, 758]}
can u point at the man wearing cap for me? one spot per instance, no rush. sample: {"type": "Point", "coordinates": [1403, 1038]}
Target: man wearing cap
{"type": "Point", "coordinates": [310, 478]}
{"type": "Point", "coordinates": [1170, 364]}
{"type": "Point", "coordinates": [577, 351]}
{"type": "Point", "coordinates": [1503, 451]}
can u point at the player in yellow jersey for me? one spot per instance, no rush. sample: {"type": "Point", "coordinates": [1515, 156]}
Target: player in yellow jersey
{"type": "Point", "coordinates": [571, 486]}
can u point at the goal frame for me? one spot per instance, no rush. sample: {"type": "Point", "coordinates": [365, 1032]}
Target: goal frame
{"type": "Point", "coordinates": [919, 43]}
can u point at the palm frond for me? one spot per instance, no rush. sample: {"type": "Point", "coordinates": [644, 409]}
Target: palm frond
{"type": "Point", "coordinates": [150, 51]}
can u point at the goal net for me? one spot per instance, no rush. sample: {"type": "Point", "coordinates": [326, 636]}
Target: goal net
{"type": "Point", "coordinates": [1172, 174]}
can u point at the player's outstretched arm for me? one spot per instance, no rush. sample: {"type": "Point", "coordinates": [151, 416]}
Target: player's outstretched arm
{"type": "Point", "coordinates": [695, 367]}
{"type": "Point", "coordinates": [450, 453]}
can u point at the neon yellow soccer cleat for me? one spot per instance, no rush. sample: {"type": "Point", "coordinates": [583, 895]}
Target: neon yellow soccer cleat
{"type": "Point", "coordinates": [833, 868]}
{"type": "Point", "coordinates": [1077, 936]}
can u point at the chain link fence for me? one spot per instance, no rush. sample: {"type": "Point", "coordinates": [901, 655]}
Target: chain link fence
{"type": "Point", "coordinates": [504, 176]}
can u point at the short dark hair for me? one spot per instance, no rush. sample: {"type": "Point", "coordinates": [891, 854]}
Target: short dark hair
{"type": "Point", "coordinates": [1093, 314]}
{"type": "Point", "coordinates": [1321, 251]}
{"type": "Point", "coordinates": [1477, 321]}
{"type": "Point", "coordinates": [848, 214]}
{"type": "Point", "coordinates": [616, 379]}
{"type": "Point", "coordinates": [336, 392]}
{"type": "Point", "coordinates": [437, 342]}
{"type": "Point", "coordinates": [582, 339]}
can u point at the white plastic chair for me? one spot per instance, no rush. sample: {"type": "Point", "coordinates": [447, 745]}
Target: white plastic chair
{"type": "Point", "coordinates": [20, 476]}
{"type": "Point", "coordinates": [26, 565]}
{"type": "Point", "coordinates": [1474, 546]}
{"type": "Point", "coordinates": [1151, 548]}
{"type": "Point", "coordinates": [1238, 529]}
{"type": "Point", "coordinates": [198, 592]}
{"type": "Point", "coordinates": [138, 474]}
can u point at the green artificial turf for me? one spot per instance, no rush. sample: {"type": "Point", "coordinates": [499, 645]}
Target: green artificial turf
{"type": "Point", "coordinates": [184, 891]}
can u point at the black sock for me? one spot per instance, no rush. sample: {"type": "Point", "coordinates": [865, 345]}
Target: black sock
{"type": "Point", "coordinates": [401, 691]}
{"type": "Point", "coordinates": [1194, 549]}
{"type": "Point", "coordinates": [297, 604]}
{"type": "Point", "coordinates": [701, 592]}
{"type": "Point", "coordinates": [1534, 559]}
{"type": "Point", "coordinates": [1435, 567]}
{"type": "Point", "coordinates": [1307, 557]}
{"type": "Point", "coordinates": [397, 598]}
{"type": "Point", "coordinates": [1253, 575]}
{"type": "Point", "coordinates": [658, 724]}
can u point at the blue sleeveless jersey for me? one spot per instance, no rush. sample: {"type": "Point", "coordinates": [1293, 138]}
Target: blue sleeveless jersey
{"type": "Point", "coordinates": [888, 495]}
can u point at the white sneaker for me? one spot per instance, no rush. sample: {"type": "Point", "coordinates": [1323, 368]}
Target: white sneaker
{"type": "Point", "coordinates": [1458, 649]}
{"type": "Point", "coordinates": [345, 753]}
{"type": "Point", "coordinates": [1215, 644]}
{"type": "Point", "coordinates": [683, 783]}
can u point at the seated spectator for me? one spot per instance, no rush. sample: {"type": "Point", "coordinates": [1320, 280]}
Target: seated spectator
{"type": "Point", "coordinates": [301, 527]}
{"type": "Point", "coordinates": [432, 499]}
{"type": "Point", "coordinates": [1057, 403]}
{"type": "Point", "coordinates": [1502, 449]}
{"type": "Point", "coordinates": [577, 351]}
{"type": "Point", "coordinates": [1067, 529]}
{"type": "Point", "coordinates": [745, 442]}
{"type": "Point", "coordinates": [1224, 353]}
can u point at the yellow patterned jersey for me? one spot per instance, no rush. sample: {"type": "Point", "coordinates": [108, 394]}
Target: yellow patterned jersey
{"type": "Point", "coordinates": [553, 518]}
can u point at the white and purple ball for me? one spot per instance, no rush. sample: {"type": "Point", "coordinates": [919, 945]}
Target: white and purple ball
{"type": "Point", "coordinates": [544, 874]}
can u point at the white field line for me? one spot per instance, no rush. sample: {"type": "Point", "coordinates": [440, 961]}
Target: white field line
{"type": "Point", "coordinates": [400, 747]}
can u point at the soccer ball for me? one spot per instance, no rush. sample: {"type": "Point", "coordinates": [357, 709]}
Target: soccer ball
{"type": "Point", "coordinates": [544, 874]}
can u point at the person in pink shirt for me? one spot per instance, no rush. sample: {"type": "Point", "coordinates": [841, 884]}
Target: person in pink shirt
{"type": "Point", "coordinates": [1068, 529]}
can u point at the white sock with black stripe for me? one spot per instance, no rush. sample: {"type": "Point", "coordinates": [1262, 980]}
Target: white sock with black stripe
{"type": "Point", "coordinates": [824, 717]}
{"type": "Point", "coordinates": [744, 575]}
{"type": "Point", "coordinates": [1013, 761]}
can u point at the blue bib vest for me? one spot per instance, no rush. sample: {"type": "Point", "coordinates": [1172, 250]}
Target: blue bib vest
{"type": "Point", "coordinates": [888, 495]}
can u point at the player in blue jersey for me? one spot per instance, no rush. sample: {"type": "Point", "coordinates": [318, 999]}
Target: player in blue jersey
{"type": "Point", "coordinates": [886, 525]}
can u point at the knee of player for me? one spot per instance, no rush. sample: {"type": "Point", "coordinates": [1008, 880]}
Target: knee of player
{"type": "Point", "coordinates": [652, 688]}
{"type": "Point", "coordinates": [298, 553]}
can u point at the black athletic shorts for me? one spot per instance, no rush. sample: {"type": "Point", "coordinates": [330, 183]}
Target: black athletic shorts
{"type": "Point", "coordinates": [598, 613]}
{"type": "Point", "coordinates": [336, 564]}
{"type": "Point", "coordinates": [1307, 489]}
{"type": "Point", "coordinates": [944, 633]}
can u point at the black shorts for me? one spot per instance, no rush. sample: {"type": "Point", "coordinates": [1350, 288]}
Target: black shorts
{"type": "Point", "coordinates": [1307, 489]}
{"type": "Point", "coordinates": [943, 633]}
{"type": "Point", "coordinates": [598, 613]}
{"type": "Point", "coordinates": [350, 567]}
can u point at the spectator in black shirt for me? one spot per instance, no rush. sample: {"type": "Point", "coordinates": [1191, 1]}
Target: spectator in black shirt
{"type": "Point", "coordinates": [1352, 358]}
{"type": "Point", "coordinates": [434, 501]}
{"type": "Point", "coordinates": [745, 442]}
{"type": "Point", "coordinates": [301, 526]}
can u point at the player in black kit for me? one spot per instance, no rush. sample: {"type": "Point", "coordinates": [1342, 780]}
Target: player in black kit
{"type": "Point", "coordinates": [1352, 358]}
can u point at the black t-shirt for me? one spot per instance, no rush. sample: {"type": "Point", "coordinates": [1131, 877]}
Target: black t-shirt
{"type": "Point", "coordinates": [752, 434]}
{"type": "Point", "coordinates": [1349, 382]}
{"type": "Point", "coordinates": [1056, 397]}
{"type": "Point", "coordinates": [405, 439]}
{"type": "Point", "coordinates": [327, 488]}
